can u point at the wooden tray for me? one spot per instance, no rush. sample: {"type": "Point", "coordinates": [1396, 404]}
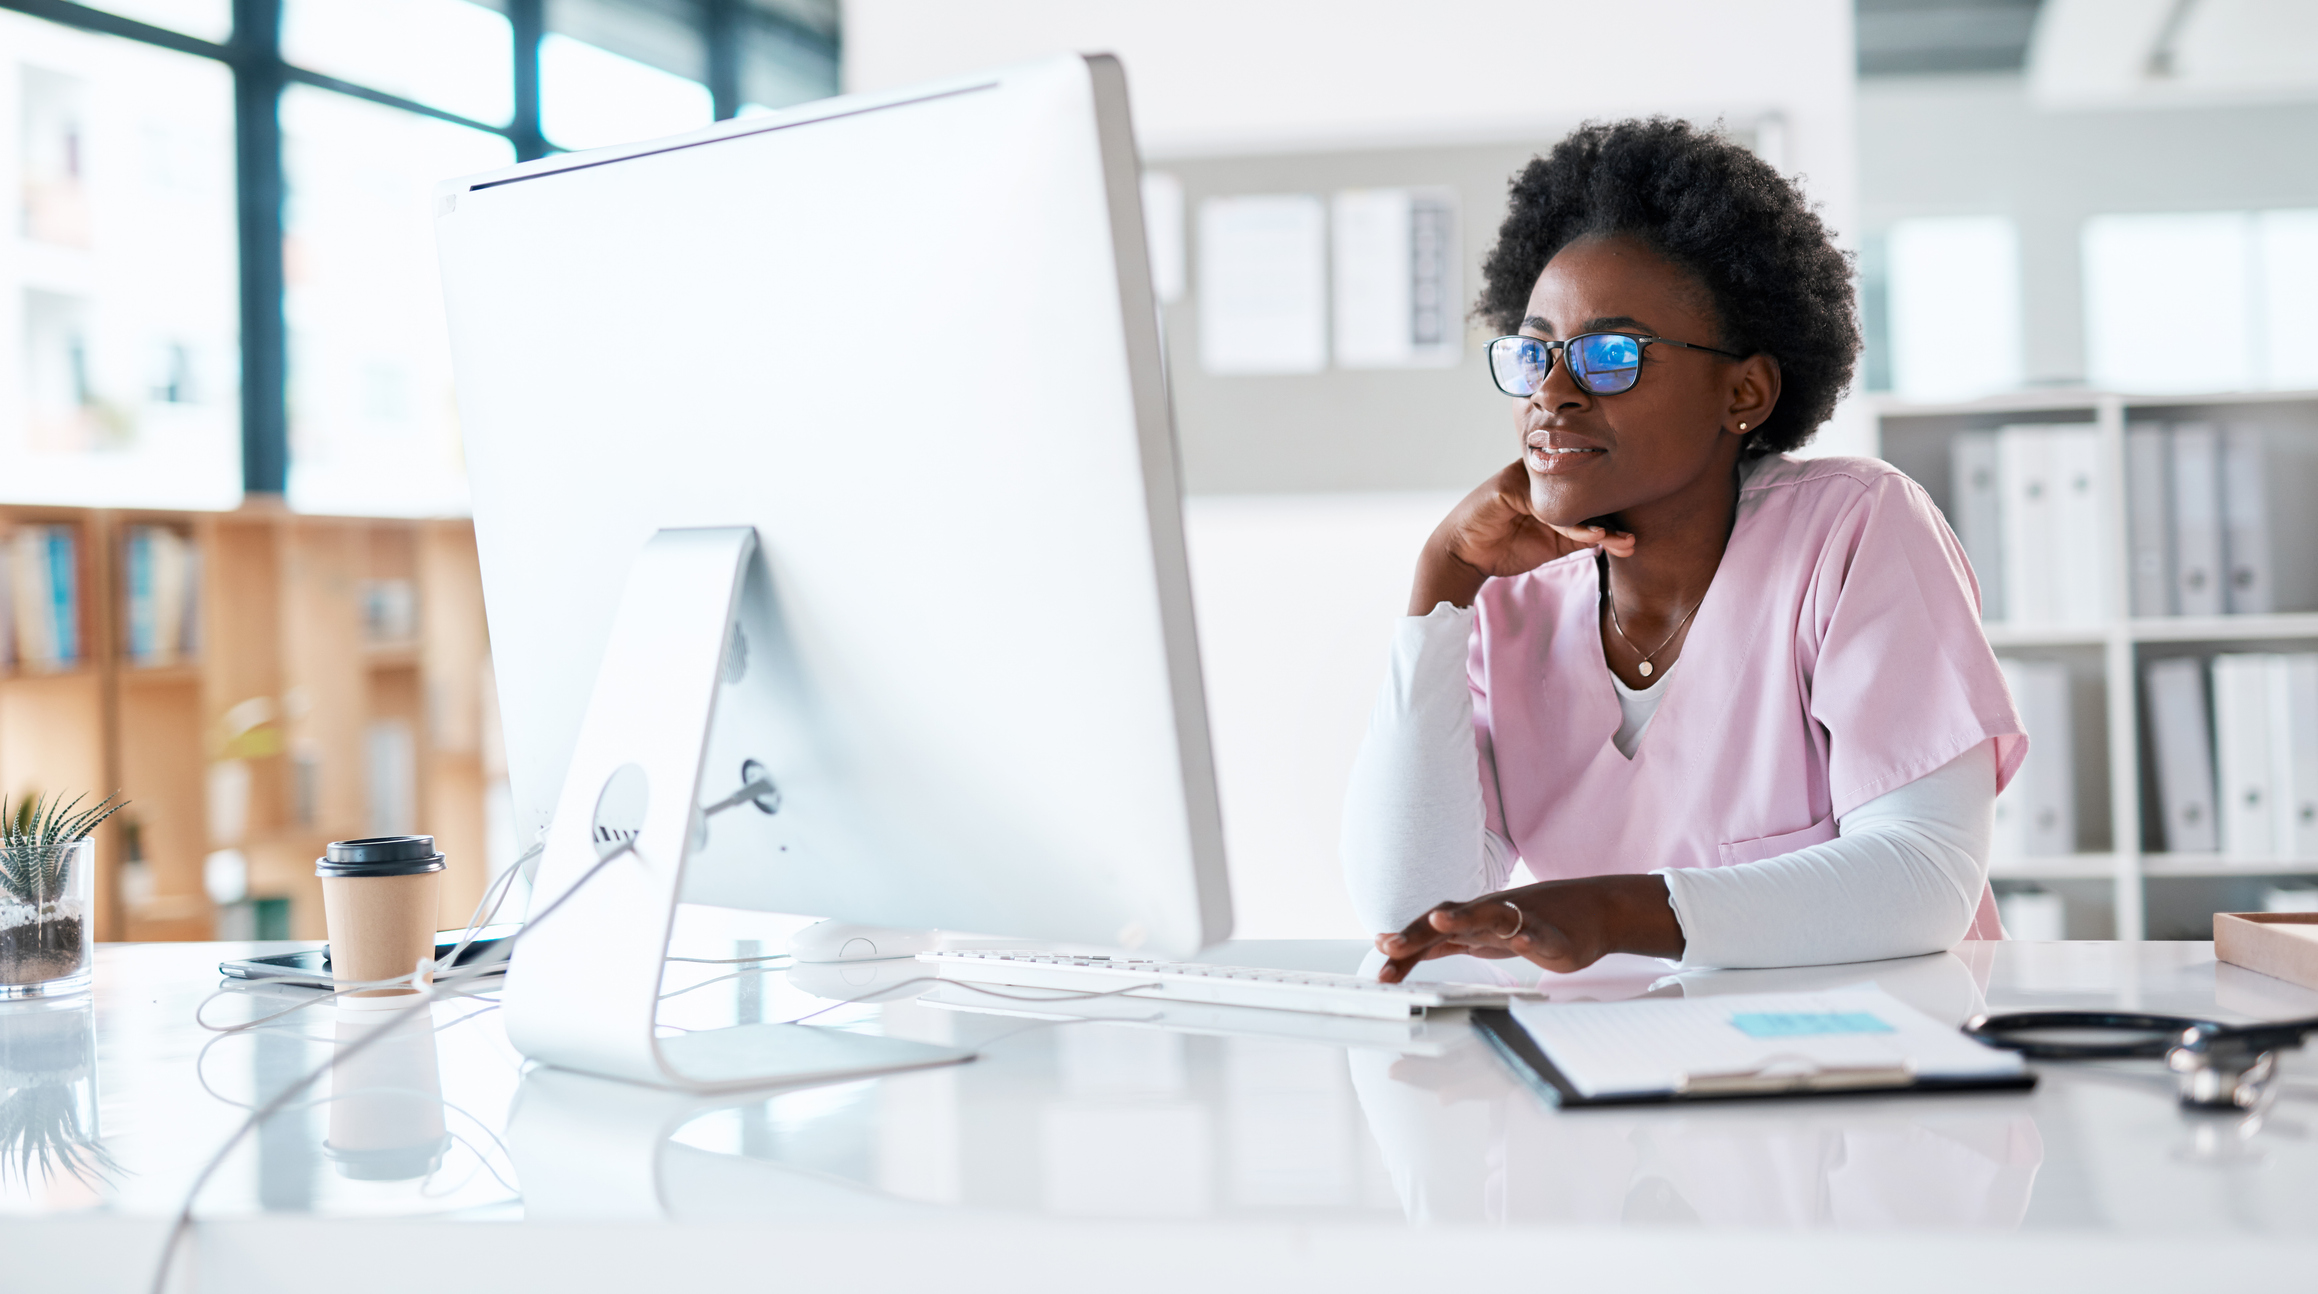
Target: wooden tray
{"type": "Point", "coordinates": [2283, 944]}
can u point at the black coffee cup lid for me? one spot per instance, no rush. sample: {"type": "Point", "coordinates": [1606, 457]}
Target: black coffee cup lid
{"type": "Point", "coordinates": [379, 856]}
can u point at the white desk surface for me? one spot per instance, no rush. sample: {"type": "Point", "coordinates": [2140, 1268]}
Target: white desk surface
{"type": "Point", "coordinates": [1124, 1156]}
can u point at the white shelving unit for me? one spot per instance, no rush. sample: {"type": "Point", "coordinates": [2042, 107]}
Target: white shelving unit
{"type": "Point", "coordinates": [2113, 779]}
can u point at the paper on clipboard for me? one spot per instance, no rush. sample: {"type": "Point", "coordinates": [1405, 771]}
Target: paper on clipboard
{"type": "Point", "coordinates": [1753, 1043]}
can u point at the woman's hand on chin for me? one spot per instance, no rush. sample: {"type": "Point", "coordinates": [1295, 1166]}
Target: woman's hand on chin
{"type": "Point", "coordinates": [1560, 925]}
{"type": "Point", "coordinates": [1492, 533]}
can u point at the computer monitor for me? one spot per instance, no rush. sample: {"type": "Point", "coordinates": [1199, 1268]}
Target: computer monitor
{"type": "Point", "coordinates": [871, 391]}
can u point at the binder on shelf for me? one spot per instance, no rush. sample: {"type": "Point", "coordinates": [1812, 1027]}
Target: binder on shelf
{"type": "Point", "coordinates": [2081, 584]}
{"type": "Point", "coordinates": [159, 591]}
{"type": "Point", "coordinates": [2245, 524]}
{"type": "Point", "coordinates": [45, 584]}
{"type": "Point", "coordinates": [2034, 914]}
{"type": "Point", "coordinates": [2294, 746]}
{"type": "Point", "coordinates": [2148, 522]}
{"type": "Point", "coordinates": [2242, 701]}
{"type": "Point", "coordinates": [1974, 486]}
{"type": "Point", "coordinates": [2197, 532]}
{"type": "Point", "coordinates": [2036, 814]}
{"type": "Point", "coordinates": [2181, 745]}
{"type": "Point", "coordinates": [2030, 486]}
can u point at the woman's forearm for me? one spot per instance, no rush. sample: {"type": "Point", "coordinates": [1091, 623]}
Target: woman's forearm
{"type": "Point", "coordinates": [1415, 829]}
{"type": "Point", "coordinates": [1903, 879]}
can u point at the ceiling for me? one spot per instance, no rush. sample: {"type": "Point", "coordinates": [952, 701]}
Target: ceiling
{"type": "Point", "coordinates": [1916, 37]}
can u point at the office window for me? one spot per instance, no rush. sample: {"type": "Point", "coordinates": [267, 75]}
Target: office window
{"type": "Point", "coordinates": [612, 72]}
{"type": "Point", "coordinates": [778, 69]}
{"type": "Point", "coordinates": [591, 98]}
{"type": "Point", "coordinates": [130, 375]}
{"type": "Point", "coordinates": [118, 303]}
{"type": "Point", "coordinates": [207, 19]}
{"type": "Point", "coordinates": [2287, 243]}
{"type": "Point", "coordinates": [2168, 301]}
{"type": "Point", "coordinates": [456, 55]}
{"type": "Point", "coordinates": [2202, 301]}
{"type": "Point", "coordinates": [373, 424]}
{"type": "Point", "coordinates": [1952, 307]}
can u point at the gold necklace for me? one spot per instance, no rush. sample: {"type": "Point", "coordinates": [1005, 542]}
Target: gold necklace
{"type": "Point", "coordinates": [1645, 668]}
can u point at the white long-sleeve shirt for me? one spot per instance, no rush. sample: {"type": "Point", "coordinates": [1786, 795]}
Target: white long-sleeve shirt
{"type": "Point", "coordinates": [1903, 877]}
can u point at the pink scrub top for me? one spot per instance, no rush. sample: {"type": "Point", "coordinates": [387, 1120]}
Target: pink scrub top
{"type": "Point", "coordinates": [1838, 655]}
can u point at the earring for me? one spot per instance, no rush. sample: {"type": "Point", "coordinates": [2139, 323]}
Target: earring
{"type": "Point", "coordinates": [1742, 426]}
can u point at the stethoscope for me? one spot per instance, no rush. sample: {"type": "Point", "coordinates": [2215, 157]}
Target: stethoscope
{"type": "Point", "coordinates": [2221, 1066]}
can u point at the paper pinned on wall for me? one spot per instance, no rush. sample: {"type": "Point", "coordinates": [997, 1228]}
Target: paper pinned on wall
{"type": "Point", "coordinates": [1394, 254]}
{"type": "Point", "coordinates": [1263, 284]}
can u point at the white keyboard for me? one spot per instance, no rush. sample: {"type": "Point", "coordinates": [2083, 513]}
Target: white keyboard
{"type": "Point", "coordinates": [1279, 990]}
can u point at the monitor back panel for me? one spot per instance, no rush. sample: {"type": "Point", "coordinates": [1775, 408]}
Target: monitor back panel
{"type": "Point", "coordinates": [910, 339]}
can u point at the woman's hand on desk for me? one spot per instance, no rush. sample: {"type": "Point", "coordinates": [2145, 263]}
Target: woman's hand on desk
{"type": "Point", "coordinates": [1562, 926]}
{"type": "Point", "coordinates": [1493, 532]}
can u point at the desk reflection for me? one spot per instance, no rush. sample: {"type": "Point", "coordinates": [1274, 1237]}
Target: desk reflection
{"type": "Point", "coordinates": [386, 1101]}
{"type": "Point", "coordinates": [49, 1139]}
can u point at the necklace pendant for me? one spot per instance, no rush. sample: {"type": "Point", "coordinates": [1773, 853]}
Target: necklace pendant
{"type": "Point", "coordinates": [1644, 668]}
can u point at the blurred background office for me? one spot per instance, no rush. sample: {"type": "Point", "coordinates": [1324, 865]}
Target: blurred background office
{"type": "Point", "coordinates": [239, 586]}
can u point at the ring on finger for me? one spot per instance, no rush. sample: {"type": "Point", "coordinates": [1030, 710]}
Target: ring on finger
{"type": "Point", "coordinates": [1520, 919]}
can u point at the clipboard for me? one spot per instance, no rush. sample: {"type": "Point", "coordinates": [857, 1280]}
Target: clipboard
{"type": "Point", "coordinates": [1534, 1067]}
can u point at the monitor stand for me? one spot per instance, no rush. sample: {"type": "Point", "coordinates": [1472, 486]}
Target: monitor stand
{"type": "Point", "coordinates": [583, 992]}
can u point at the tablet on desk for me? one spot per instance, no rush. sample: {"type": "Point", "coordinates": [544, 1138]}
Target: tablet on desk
{"type": "Point", "coordinates": [311, 967]}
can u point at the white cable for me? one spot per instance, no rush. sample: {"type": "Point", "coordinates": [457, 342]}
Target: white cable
{"type": "Point", "coordinates": [497, 953]}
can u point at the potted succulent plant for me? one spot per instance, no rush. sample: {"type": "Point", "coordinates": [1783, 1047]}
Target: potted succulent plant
{"type": "Point", "coordinates": [47, 893]}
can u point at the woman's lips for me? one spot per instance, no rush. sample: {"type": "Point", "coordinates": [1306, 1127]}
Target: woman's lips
{"type": "Point", "coordinates": [1548, 460]}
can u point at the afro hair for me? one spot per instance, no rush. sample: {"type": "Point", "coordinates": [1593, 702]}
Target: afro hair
{"type": "Point", "coordinates": [1778, 284]}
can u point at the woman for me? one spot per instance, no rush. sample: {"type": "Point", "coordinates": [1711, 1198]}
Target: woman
{"type": "Point", "coordinates": [1727, 705]}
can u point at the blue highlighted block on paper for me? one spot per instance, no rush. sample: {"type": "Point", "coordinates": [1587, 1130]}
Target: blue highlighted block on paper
{"type": "Point", "coordinates": [1799, 1024]}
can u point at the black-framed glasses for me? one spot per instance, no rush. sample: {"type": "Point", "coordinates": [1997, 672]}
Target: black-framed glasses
{"type": "Point", "coordinates": [1601, 363]}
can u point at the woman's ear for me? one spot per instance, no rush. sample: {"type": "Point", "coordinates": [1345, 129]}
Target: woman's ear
{"type": "Point", "coordinates": [1754, 394]}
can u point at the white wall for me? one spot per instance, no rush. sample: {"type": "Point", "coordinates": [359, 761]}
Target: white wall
{"type": "Point", "coordinates": [1295, 596]}
{"type": "Point", "coordinates": [1296, 592]}
{"type": "Point", "coordinates": [1223, 76]}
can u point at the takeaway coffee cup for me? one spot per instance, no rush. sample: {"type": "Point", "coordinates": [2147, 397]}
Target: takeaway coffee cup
{"type": "Point", "coordinates": [378, 897]}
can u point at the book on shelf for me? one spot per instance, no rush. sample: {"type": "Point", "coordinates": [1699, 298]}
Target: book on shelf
{"type": "Point", "coordinates": [2036, 813]}
{"type": "Point", "coordinates": [2245, 524]}
{"type": "Point", "coordinates": [44, 588]}
{"type": "Point", "coordinates": [7, 608]}
{"type": "Point", "coordinates": [2181, 746]}
{"type": "Point", "coordinates": [2148, 522]}
{"type": "Point", "coordinates": [1973, 485]}
{"type": "Point", "coordinates": [2195, 457]}
{"type": "Point", "coordinates": [162, 590]}
{"type": "Point", "coordinates": [390, 610]}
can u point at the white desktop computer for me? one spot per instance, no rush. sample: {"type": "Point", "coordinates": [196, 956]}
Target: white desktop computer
{"type": "Point", "coordinates": [828, 508]}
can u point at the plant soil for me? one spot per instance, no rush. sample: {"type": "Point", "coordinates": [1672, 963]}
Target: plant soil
{"type": "Point", "coordinates": [41, 950]}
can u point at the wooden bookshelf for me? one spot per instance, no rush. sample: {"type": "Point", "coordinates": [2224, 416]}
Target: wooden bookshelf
{"type": "Point", "coordinates": [285, 690]}
{"type": "Point", "coordinates": [2116, 858]}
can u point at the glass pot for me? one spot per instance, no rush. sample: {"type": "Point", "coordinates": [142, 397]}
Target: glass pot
{"type": "Point", "coordinates": [47, 911]}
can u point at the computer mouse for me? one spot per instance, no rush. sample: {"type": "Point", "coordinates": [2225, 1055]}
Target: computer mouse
{"type": "Point", "coordinates": [842, 941]}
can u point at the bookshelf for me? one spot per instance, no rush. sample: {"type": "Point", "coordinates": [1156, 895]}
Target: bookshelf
{"type": "Point", "coordinates": [267, 734]}
{"type": "Point", "coordinates": [2118, 881]}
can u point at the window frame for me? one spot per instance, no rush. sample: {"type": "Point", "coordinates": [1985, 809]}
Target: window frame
{"type": "Point", "coordinates": [260, 75]}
